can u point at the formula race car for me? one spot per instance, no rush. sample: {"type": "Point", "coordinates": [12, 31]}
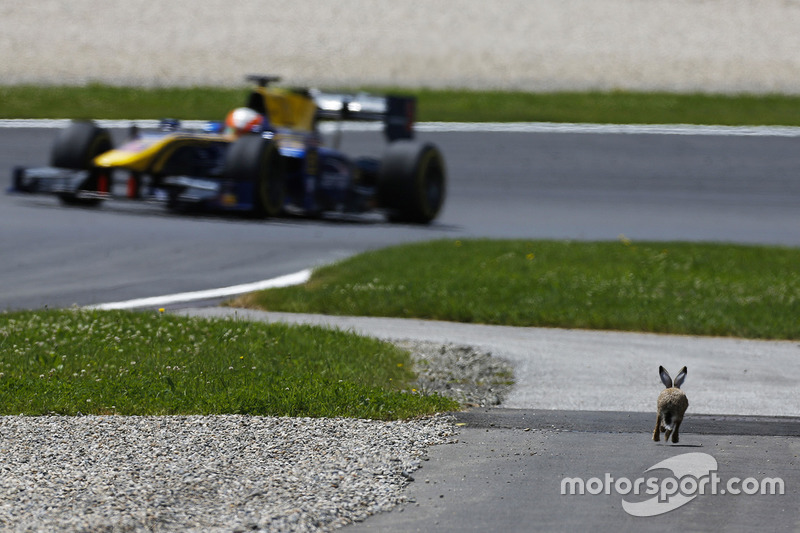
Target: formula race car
{"type": "Point", "coordinates": [266, 158]}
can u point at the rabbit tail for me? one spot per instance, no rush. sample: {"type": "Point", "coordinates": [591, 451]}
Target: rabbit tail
{"type": "Point", "coordinates": [667, 422]}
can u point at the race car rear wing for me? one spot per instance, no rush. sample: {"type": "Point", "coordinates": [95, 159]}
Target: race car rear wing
{"type": "Point", "coordinates": [288, 107]}
{"type": "Point", "coordinates": [398, 113]}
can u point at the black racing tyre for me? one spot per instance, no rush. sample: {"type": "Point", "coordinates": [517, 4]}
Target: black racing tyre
{"type": "Point", "coordinates": [75, 148]}
{"type": "Point", "coordinates": [77, 145]}
{"type": "Point", "coordinates": [254, 159]}
{"type": "Point", "coordinates": [412, 182]}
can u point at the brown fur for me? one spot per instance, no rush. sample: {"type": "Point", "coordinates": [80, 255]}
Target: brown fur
{"type": "Point", "coordinates": [671, 406]}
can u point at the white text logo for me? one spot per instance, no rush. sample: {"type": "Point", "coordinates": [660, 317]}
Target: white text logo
{"type": "Point", "coordinates": [693, 475]}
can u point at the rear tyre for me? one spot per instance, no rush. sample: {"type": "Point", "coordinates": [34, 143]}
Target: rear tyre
{"type": "Point", "coordinates": [75, 148]}
{"type": "Point", "coordinates": [412, 182]}
{"type": "Point", "coordinates": [257, 160]}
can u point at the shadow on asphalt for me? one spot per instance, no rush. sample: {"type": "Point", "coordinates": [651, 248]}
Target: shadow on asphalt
{"type": "Point", "coordinates": [622, 422]}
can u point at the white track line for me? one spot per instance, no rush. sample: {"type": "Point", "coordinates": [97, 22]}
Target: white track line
{"type": "Point", "coordinates": [476, 127]}
{"type": "Point", "coordinates": [160, 301]}
{"type": "Point", "coordinates": [631, 129]}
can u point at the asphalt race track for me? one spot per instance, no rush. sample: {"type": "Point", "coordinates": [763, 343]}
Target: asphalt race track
{"type": "Point", "coordinates": [544, 184]}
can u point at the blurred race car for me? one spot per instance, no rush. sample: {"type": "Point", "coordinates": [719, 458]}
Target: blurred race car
{"type": "Point", "coordinates": [266, 158]}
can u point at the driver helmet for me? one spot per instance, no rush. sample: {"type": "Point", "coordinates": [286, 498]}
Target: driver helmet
{"type": "Point", "coordinates": [244, 120]}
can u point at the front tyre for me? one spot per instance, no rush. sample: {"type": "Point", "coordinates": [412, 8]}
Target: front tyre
{"type": "Point", "coordinates": [257, 160]}
{"type": "Point", "coordinates": [75, 148]}
{"type": "Point", "coordinates": [412, 182]}
{"type": "Point", "coordinates": [78, 144]}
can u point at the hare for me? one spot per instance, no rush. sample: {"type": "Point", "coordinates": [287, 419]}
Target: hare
{"type": "Point", "coordinates": [672, 404]}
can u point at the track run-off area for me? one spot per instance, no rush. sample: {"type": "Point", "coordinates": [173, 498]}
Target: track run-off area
{"type": "Point", "coordinates": [531, 181]}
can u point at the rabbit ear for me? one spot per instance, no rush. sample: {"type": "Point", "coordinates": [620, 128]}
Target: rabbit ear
{"type": "Point", "coordinates": [680, 377]}
{"type": "Point", "coordinates": [665, 377]}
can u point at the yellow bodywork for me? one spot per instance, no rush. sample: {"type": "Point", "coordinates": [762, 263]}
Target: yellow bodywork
{"type": "Point", "coordinates": [285, 109]}
{"type": "Point", "coordinates": [149, 154]}
{"type": "Point", "coordinates": [288, 109]}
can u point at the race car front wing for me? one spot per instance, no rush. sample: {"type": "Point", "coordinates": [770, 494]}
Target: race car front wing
{"type": "Point", "coordinates": [47, 180]}
{"type": "Point", "coordinates": [66, 182]}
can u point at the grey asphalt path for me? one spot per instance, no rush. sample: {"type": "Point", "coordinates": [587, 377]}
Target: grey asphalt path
{"type": "Point", "coordinates": [508, 477]}
{"type": "Point", "coordinates": [584, 409]}
{"type": "Point", "coordinates": [601, 370]}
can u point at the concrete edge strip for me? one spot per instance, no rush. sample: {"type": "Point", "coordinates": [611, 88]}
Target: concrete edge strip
{"type": "Point", "coordinates": [474, 127]}
{"type": "Point", "coordinates": [160, 301]}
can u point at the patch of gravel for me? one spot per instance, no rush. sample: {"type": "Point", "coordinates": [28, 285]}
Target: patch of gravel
{"type": "Point", "coordinates": [471, 376]}
{"type": "Point", "coordinates": [540, 45]}
{"type": "Point", "coordinates": [205, 473]}
{"type": "Point", "coordinates": [231, 473]}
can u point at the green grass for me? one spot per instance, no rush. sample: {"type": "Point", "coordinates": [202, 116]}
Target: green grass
{"type": "Point", "coordinates": [94, 362]}
{"type": "Point", "coordinates": [618, 107]}
{"type": "Point", "coordinates": [107, 102]}
{"type": "Point", "coordinates": [680, 288]}
{"type": "Point", "coordinates": [207, 103]}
